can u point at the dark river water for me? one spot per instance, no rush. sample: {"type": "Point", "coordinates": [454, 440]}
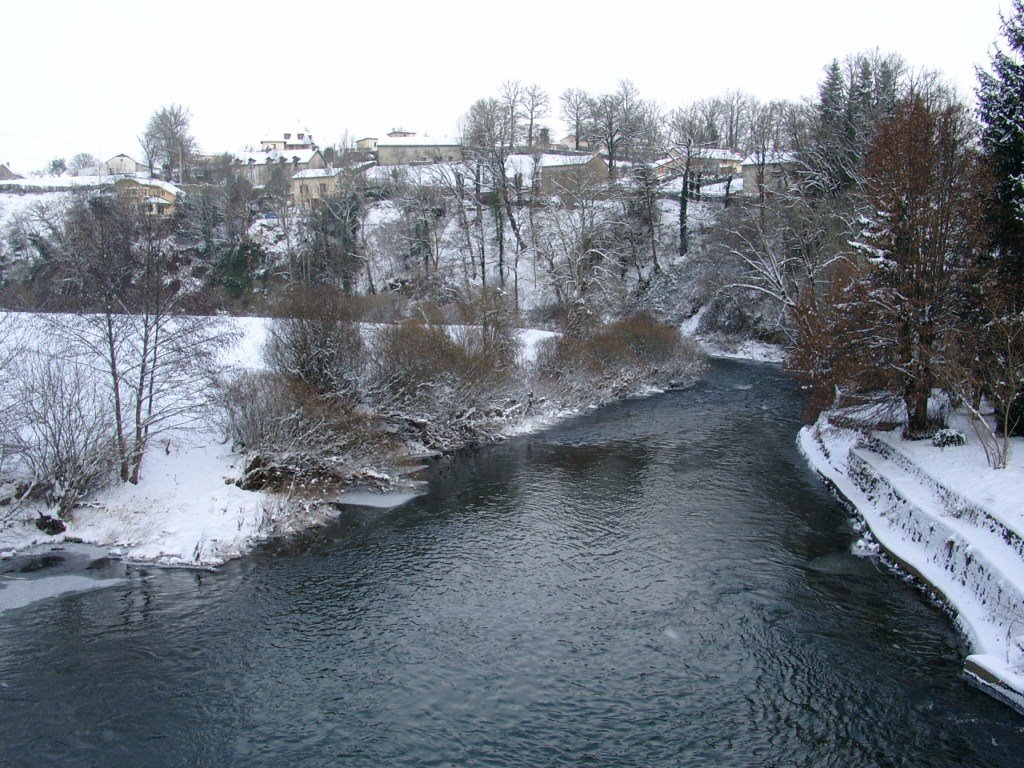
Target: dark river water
{"type": "Point", "coordinates": [662, 582]}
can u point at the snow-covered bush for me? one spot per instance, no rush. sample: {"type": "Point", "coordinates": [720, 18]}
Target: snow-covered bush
{"type": "Point", "coordinates": [619, 357]}
{"type": "Point", "coordinates": [946, 438]}
{"type": "Point", "coordinates": [672, 358]}
{"type": "Point", "coordinates": [315, 340]}
{"type": "Point", "coordinates": [445, 386]}
{"type": "Point", "coordinates": [293, 436]}
{"type": "Point", "coordinates": [489, 329]}
{"type": "Point", "coordinates": [424, 366]}
{"type": "Point", "coordinates": [58, 428]}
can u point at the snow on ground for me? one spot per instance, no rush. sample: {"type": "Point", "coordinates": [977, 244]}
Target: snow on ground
{"type": "Point", "coordinates": [718, 190]}
{"type": "Point", "coordinates": [56, 183]}
{"type": "Point", "coordinates": [185, 510]}
{"type": "Point", "coordinates": [731, 348]}
{"type": "Point", "coordinates": [741, 349]}
{"type": "Point", "coordinates": [530, 338]}
{"type": "Point", "coordinates": [942, 515]}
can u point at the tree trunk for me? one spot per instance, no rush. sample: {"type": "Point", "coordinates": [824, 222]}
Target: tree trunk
{"type": "Point", "coordinates": [499, 228]}
{"type": "Point", "coordinates": [115, 385]}
{"type": "Point", "coordinates": [683, 213]}
{"type": "Point", "coordinates": [918, 391]}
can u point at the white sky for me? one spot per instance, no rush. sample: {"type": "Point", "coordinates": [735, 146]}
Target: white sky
{"type": "Point", "coordinates": [80, 76]}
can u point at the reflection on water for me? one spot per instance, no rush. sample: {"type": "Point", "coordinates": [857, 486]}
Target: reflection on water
{"type": "Point", "coordinates": [661, 582]}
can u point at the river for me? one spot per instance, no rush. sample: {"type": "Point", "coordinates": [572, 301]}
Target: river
{"type": "Point", "coordinates": [659, 582]}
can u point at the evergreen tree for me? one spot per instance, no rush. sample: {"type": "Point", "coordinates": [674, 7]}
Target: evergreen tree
{"type": "Point", "coordinates": [1001, 108]}
{"type": "Point", "coordinates": [831, 156]}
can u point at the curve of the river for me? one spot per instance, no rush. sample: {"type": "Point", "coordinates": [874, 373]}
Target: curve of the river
{"type": "Point", "coordinates": [660, 582]}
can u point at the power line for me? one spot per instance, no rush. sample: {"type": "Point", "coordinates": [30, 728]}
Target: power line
{"type": "Point", "coordinates": [39, 138]}
{"type": "Point", "coordinates": [8, 156]}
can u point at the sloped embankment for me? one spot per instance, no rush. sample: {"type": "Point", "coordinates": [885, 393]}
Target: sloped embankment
{"type": "Point", "coordinates": [970, 554]}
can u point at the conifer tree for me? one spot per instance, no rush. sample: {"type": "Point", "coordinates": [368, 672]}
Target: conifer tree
{"type": "Point", "coordinates": [1001, 108]}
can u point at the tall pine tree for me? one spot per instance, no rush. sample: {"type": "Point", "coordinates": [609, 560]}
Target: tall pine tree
{"type": "Point", "coordinates": [1001, 108]}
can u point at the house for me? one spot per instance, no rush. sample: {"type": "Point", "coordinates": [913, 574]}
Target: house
{"type": "Point", "coordinates": [561, 174]}
{"type": "Point", "coordinates": [709, 162]}
{"type": "Point", "coordinates": [369, 144]}
{"type": "Point", "coordinates": [123, 165]}
{"type": "Point", "coordinates": [554, 174]}
{"type": "Point", "coordinates": [312, 186]}
{"type": "Point", "coordinates": [260, 167]}
{"type": "Point", "coordinates": [149, 197]}
{"type": "Point", "coordinates": [569, 142]}
{"type": "Point", "coordinates": [406, 149]}
{"type": "Point", "coordinates": [293, 140]}
{"type": "Point", "coordinates": [772, 171]}
{"type": "Point", "coordinates": [6, 174]}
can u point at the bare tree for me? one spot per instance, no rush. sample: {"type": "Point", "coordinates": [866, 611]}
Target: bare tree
{"type": "Point", "coordinates": [58, 427]}
{"type": "Point", "coordinates": [610, 117]}
{"type": "Point", "coordinates": [764, 140]}
{"type": "Point", "coordinates": [790, 252]}
{"type": "Point", "coordinates": [510, 96]}
{"type": "Point", "coordinates": [535, 107]}
{"type": "Point", "coordinates": [708, 114]}
{"type": "Point", "coordinates": [575, 105]}
{"type": "Point", "coordinates": [168, 142]}
{"type": "Point", "coordinates": [488, 139]}
{"type": "Point", "coordinates": [991, 364]}
{"type": "Point", "coordinates": [733, 113]}
{"type": "Point", "coordinates": [154, 361]}
{"type": "Point", "coordinates": [687, 129]}
{"type": "Point", "coordinates": [577, 244]}
{"type": "Point", "coordinates": [83, 161]}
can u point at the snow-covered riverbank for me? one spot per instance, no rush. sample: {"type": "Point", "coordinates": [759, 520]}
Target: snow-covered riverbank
{"type": "Point", "coordinates": [943, 517]}
{"type": "Point", "coordinates": [188, 510]}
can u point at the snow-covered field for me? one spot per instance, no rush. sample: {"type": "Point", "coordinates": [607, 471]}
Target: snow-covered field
{"type": "Point", "coordinates": [943, 516]}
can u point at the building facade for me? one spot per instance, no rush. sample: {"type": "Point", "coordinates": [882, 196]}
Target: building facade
{"type": "Point", "coordinates": [148, 197]}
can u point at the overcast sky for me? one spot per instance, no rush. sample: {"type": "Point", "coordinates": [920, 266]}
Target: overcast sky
{"type": "Point", "coordinates": [86, 76]}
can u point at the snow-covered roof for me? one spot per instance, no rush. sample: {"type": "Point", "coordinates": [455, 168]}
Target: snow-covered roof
{"type": "Point", "coordinates": [418, 141]}
{"type": "Point", "coordinates": [716, 153]}
{"type": "Point", "coordinates": [553, 161]}
{"type": "Point", "coordinates": [677, 156]}
{"type": "Point", "coordinates": [525, 165]}
{"type": "Point", "coordinates": [273, 156]}
{"type": "Point", "coordinates": [156, 201]}
{"type": "Point", "coordinates": [772, 158]}
{"type": "Point", "coordinates": [156, 184]}
{"type": "Point", "coordinates": [428, 174]}
{"type": "Point", "coordinates": [317, 173]}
